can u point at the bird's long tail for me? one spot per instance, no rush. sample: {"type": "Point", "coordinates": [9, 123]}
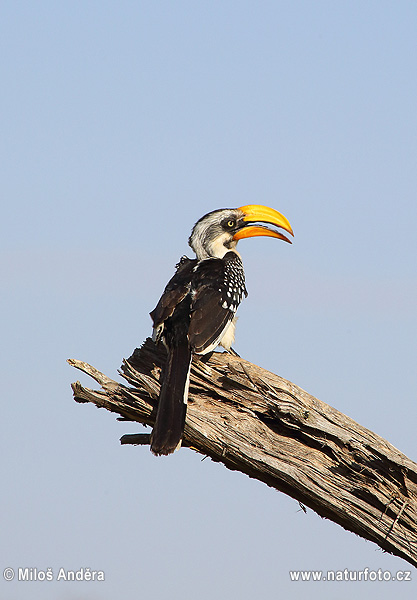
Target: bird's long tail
{"type": "Point", "coordinates": [170, 418]}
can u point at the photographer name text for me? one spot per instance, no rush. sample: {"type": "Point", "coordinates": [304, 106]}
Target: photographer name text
{"type": "Point", "coordinates": [34, 574]}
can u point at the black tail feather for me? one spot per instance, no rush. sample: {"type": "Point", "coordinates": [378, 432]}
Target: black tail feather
{"type": "Point", "coordinates": [170, 419]}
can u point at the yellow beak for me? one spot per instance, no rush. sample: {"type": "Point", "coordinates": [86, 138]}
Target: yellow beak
{"type": "Point", "coordinates": [256, 213]}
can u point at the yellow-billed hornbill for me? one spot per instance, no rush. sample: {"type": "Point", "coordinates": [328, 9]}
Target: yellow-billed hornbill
{"type": "Point", "coordinates": [197, 310]}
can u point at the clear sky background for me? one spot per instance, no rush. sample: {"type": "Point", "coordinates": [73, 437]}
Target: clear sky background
{"type": "Point", "coordinates": [121, 124]}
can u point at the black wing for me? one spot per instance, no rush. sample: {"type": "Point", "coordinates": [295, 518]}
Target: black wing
{"type": "Point", "coordinates": [175, 291]}
{"type": "Point", "coordinates": [217, 288]}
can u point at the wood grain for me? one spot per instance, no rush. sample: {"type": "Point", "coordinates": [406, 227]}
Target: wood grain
{"type": "Point", "coordinates": [256, 422]}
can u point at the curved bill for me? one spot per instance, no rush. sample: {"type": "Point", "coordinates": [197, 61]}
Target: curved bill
{"type": "Point", "coordinates": [257, 213]}
{"type": "Point", "coordinates": [255, 230]}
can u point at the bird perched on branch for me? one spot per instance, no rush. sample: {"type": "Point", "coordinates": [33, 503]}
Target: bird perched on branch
{"type": "Point", "coordinates": [197, 311]}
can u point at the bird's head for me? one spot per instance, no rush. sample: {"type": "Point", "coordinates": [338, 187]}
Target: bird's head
{"type": "Point", "coordinates": [220, 230]}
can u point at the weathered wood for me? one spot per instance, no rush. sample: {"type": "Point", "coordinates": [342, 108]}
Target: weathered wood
{"type": "Point", "coordinates": [258, 423]}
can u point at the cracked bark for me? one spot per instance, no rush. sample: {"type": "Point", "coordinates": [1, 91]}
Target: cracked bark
{"type": "Point", "coordinates": [260, 424]}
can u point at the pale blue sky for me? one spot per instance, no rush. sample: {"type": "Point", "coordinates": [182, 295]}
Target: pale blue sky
{"type": "Point", "coordinates": [121, 124]}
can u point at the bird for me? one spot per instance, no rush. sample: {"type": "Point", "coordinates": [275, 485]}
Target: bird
{"type": "Point", "coordinates": [197, 310]}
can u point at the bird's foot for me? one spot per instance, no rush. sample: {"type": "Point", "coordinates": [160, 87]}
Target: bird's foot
{"type": "Point", "coordinates": [233, 352]}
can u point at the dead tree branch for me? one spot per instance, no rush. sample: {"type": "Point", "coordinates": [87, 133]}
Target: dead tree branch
{"type": "Point", "coordinates": [260, 424]}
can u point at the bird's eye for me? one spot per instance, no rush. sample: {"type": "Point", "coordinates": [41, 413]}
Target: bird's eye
{"type": "Point", "coordinates": [231, 223]}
